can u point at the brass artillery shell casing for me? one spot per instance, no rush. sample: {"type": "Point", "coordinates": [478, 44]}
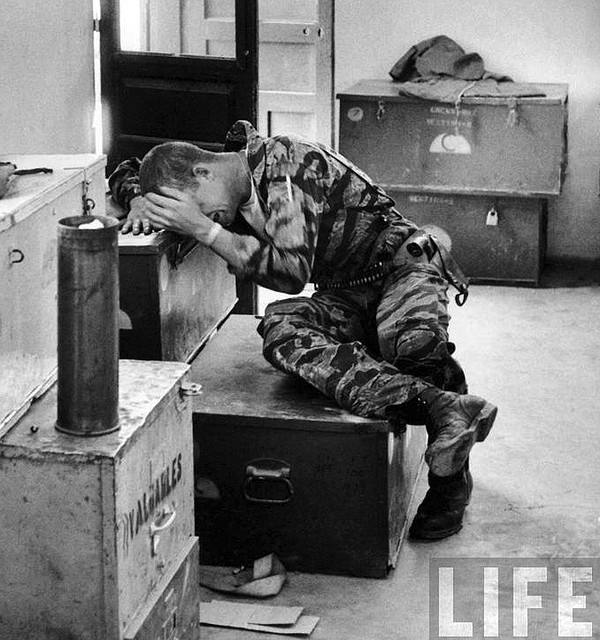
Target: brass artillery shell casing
{"type": "Point", "coordinates": [88, 336]}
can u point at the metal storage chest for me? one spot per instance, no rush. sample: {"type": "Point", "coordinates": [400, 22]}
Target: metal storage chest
{"type": "Point", "coordinates": [478, 175]}
{"type": "Point", "coordinates": [509, 146]}
{"type": "Point", "coordinates": [281, 469]}
{"type": "Point", "coordinates": [495, 239]}
{"type": "Point", "coordinates": [97, 536]}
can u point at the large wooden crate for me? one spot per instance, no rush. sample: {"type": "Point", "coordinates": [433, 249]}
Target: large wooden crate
{"type": "Point", "coordinates": [489, 146]}
{"type": "Point", "coordinates": [173, 294]}
{"type": "Point", "coordinates": [496, 240]}
{"type": "Point", "coordinates": [97, 541]}
{"type": "Point", "coordinates": [279, 468]}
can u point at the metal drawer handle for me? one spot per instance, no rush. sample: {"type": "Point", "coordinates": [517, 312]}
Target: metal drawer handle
{"type": "Point", "coordinates": [271, 471]}
{"type": "Point", "coordinates": [88, 205]}
{"type": "Point", "coordinates": [15, 256]}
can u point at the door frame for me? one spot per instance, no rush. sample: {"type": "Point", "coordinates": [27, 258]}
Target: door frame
{"type": "Point", "coordinates": [240, 72]}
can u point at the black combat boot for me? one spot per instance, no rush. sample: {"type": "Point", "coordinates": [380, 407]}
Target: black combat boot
{"type": "Point", "coordinates": [441, 513]}
{"type": "Point", "coordinates": [454, 423]}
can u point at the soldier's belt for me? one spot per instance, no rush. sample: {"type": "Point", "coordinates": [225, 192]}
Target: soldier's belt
{"type": "Point", "coordinates": [373, 273]}
{"type": "Point", "coordinates": [419, 247]}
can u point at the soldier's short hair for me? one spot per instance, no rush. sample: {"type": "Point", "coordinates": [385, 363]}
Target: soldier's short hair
{"type": "Point", "coordinates": [170, 164]}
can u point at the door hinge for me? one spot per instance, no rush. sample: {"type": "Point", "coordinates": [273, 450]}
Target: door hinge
{"type": "Point", "coordinates": [96, 23]}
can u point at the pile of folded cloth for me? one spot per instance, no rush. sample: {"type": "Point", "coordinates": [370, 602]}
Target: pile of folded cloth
{"type": "Point", "coordinates": [440, 69]}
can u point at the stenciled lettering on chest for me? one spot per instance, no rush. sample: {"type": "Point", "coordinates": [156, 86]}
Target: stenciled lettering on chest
{"type": "Point", "coordinates": [131, 522]}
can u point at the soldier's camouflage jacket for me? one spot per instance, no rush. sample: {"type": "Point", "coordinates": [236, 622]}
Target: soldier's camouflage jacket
{"type": "Point", "coordinates": [320, 217]}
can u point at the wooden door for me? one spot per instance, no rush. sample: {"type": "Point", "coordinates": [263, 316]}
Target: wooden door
{"type": "Point", "coordinates": [295, 71]}
{"type": "Point", "coordinates": [159, 80]}
{"type": "Point", "coordinates": [296, 68]}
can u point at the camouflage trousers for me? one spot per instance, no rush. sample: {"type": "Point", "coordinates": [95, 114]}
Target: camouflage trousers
{"type": "Point", "coordinates": [373, 348]}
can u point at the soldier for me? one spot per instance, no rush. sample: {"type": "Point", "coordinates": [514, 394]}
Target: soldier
{"type": "Point", "coordinates": [374, 335]}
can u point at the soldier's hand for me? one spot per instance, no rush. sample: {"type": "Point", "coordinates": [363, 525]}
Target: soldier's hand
{"type": "Point", "coordinates": [137, 219]}
{"type": "Point", "coordinates": [177, 211]}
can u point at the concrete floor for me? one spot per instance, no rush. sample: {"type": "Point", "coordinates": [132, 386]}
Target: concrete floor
{"type": "Point", "coordinates": [535, 353]}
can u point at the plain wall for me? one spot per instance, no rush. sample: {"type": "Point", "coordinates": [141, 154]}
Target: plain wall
{"type": "Point", "coordinates": [555, 41]}
{"type": "Point", "coordinates": [46, 77]}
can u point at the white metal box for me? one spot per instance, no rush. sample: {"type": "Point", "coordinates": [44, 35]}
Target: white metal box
{"type": "Point", "coordinates": [97, 539]}
{"type": "Point", "coordinates": [28, 252]}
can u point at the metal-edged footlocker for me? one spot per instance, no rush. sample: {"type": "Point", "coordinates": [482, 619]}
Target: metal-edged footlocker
{"type": "Point", "coordinates": [280, 468]}
{"type": "Point", "coordinates": [482, 145]}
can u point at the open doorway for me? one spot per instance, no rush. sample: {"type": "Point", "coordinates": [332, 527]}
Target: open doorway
{"type": "Point", "coordinates": [295, 54]}
{"type": "Point", "coordinates": [183, 69]}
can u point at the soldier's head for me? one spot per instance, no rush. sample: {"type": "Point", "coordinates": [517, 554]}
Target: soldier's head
{"type": "Point", "coordinates": [171, 164]}
{"type": "Point", "coordinates": [216, 181]}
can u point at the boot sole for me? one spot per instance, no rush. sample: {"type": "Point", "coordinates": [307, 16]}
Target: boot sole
{"type": "Point", "coordinates": [432, 536]}
{"type": "Point", "coordinates": [448, 460]}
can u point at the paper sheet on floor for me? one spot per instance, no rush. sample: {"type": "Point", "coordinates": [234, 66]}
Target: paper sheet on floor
{"type": "Point", "coordinates": [282, 620]}
{"type": "Point", "coordinates": [275, 615]}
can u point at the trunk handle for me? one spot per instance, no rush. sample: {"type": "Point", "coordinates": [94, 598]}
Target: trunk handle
{"type": "Point", "coordinates": [268, 470]}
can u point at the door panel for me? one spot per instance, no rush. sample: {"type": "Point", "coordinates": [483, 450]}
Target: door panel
{"type": "Point", "coordinates": [296, 68]}
{"type": "Point", "coordinates": [295, 76]}
{"type": "Point", "coordinates": [166, 108]}
{"type": "Point", "coordinates": [167, 85]}
{"type": "Point", "coordinates": [215, 32]}
{"type": "Point", "coordinates": [295, 64]}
